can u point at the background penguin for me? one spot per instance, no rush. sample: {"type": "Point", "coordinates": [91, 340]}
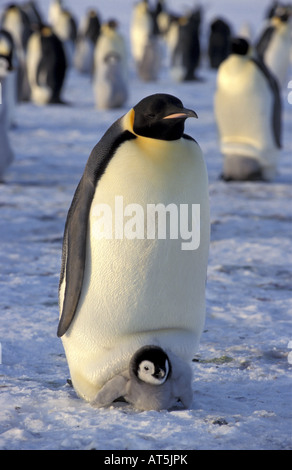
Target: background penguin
{"type": "Point", "coordinates": [219, 42]}
{"type": "Point", "coordinates": [152, 382]}
{"type": "Point", "coordinates": [186, 53]}
{"type": "Point", "coordinates": [33, 13]}
{"type": "Point", "coordinates": [46, 64]}
{"type": "Point", "coordinates": [65, 28]}
{"type": "Point", "coordinates": [6, 152]}
{"type": "Point", "coordinates": [145, 42]}
{"type": "Point", "coordinates": [275, 44]}
{"type": "Point", "coordinates": [7, 50]}
{"type": "Point", "coordinates": [117, 295]}
{"type": "Point", "coordinates": [248, 115]}
{"type": "Point", "coordinates": [87, 36]}
{"type": "Point", "coordinates": [110, 68]}
{"type": "Point", "coordinates": [16, 22]}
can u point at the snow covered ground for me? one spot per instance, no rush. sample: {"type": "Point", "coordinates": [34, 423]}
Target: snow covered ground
{"type": "Point", "coordinates": [242, 375]}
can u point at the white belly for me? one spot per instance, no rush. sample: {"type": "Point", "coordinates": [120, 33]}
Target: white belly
{"type": "Point", "coordinates": [140, 291]}
{"type": "Point", "coordinates": [243, 110]}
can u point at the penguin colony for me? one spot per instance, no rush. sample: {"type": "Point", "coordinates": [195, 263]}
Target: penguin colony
{"type": "Point", "coordinates": [42, 50]}
{"type": "Point", "coordinates": [130, 333]}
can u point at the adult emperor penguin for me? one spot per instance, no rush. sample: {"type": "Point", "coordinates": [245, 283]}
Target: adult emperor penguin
{"type": "Point", "coordinates": [121, 290]}
{"type": "Point", "coordinates": [275, 44]}
{"type": "Point", "coordinates": [248, 114]}
{"type": "Point", "coordinates": [46, 66]}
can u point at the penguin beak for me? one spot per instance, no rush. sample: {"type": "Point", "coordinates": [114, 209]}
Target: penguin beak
{"type": "Point", "coordinates": [159, 374]}
{"type": "Point", "coordinates": [182, 114]}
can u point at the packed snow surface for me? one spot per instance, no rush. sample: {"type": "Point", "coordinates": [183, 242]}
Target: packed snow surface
{"type": "Point", "coordinates": [242, 372]}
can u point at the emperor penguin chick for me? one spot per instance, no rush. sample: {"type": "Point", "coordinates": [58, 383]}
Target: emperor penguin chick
{"type": "Point", "coordinates": [110, 68]}
{"type": "Point", "coordinates": [156, 380]}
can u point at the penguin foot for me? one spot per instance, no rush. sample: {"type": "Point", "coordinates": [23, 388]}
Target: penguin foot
{"type": "Point", "coordinates": [238, 168]}
{"type": "Point", "coordinates": [194, 78]}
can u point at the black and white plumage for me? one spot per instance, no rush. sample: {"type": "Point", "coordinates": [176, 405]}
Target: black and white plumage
{"type": "Point", "coordinates": [219, 42]}
{"type": "Point", "coordinates": [155, 380]}
{"type": "Point", "coordinates": [17, 23]}
{"type": "Point", "coordinates": [186, 53]}
{"type": "Point", "coordinates": [87, 36]}
{"type": "Point", "coordinates": [119, 293]}
{"type": "Point", "coordinates": [145, 42]}
{"type": "Point", "coordinates": [248, 113]}
{"type": "Point", "coordinates": [274, 45]}
{"type": "Point", "coordinates": [46, 66]}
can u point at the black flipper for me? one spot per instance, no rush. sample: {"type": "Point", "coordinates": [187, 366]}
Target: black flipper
{"type": "Point", "coordinates": [264, 40]}
{"type": "Point", "coordinates": [277, 103]}
{"type": "Point", "coordinates": [74, 244]}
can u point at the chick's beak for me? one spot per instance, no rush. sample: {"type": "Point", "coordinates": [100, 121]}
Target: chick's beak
{"type": "Point", "coordinates": [159, 374]}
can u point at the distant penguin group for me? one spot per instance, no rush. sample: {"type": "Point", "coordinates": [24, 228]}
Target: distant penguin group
{"type": "Point", "coordinates": [40, 61]}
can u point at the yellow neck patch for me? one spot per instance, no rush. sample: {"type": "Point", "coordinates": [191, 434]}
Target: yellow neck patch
{"type": "Point", "coordinates": [129, 121]}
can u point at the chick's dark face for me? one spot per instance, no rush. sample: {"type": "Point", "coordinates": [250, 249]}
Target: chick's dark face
{"type": "Point", "coordinates": [151, 365]}
{"type": "Point", "coordinates": [161, 116]}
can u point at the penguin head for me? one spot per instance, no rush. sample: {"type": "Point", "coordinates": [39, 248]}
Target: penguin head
{"type": "Point", "coordinates": [160, 116]}
{"type": "Point", "coordinates": [239, 46]}
{"type": "Point", "coordinates": [151, 365]}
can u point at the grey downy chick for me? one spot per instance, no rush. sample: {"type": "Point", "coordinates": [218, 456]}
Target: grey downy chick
{"type": "Point", "coordinates": [155, 381]}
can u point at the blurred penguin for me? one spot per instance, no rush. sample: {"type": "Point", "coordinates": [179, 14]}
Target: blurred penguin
{"type": "Point", "coordinates": [186, 53]}
{"type": "Point", "coordinates": [17, 23]}
{"type": "Point", "coordinates": [110, 68]}
{"type": "Point", "coordinates": [145, 42]}
{"type": "Point", "coordinates": [33, 13]}
{"type": "Point", "coordinates": [6, 152]}
{"type": "Point", "coordinates": [64, 26]}
{"type": "Point", "coordinates": [87, 36]}
{"type": "Point", "coordinates": [55, 9]}
{"type": "Point", "coordinates": [219, 42]}
{"type": "Point", "coordinates": [275, 44]}
{"type": "Point", "coordinates": [46, 62]}
{"type": "Point", "coordinates": [7, 50]}
{"type": "Point", "coordinates": [248, 115]}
